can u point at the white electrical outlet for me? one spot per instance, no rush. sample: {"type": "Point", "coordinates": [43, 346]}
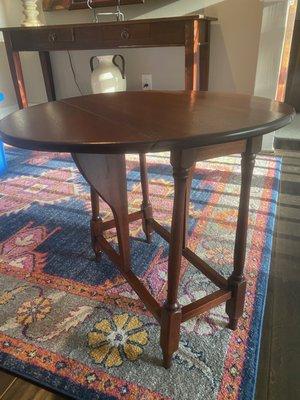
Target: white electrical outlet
{"type": "Point", "coordinates": [146, 81]}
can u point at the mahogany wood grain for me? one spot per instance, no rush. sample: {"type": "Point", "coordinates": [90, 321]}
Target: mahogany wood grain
{"type": "Point", "coordinates": [138, 122]}
{"type": "Point", "coordinates": [200, 306]}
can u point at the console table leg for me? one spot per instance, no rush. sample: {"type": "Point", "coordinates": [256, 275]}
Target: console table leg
{"type": "Point", "coordinates": [146, 205]}
{"type": "Point", "coordinates": [47, 74]}
{"type": "Point", "coordinates": [237, 282]}
{"type": "Point", "coordinates": [171, 312]}
{"type": "Point", "coordinates": [16, 71]}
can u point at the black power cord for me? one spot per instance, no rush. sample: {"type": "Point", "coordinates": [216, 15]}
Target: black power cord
{"type": "Point", "coordinates": [73, 72]}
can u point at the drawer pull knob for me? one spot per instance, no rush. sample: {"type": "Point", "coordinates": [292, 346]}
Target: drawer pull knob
{"type": "Point", "coordinates": [52, 37]}
{"type": "Point", "coordinates": [125, 34]}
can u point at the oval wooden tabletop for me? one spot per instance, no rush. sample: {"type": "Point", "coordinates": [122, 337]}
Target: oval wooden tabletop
{"type": "Point", "coordinates": [142, 121]}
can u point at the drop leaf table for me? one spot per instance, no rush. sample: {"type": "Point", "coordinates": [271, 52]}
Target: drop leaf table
{"type": "Point", "coordinates": [100, 129]}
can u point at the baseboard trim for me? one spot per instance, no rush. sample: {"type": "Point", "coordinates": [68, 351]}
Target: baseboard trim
{"type": "Point", "coordinates": [286, 144]}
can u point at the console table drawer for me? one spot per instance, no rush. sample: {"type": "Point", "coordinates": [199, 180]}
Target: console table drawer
{"type": "Point", "coordinates": [125, 33]}
{"type": "Point", "coordinates": [168, 33]}
{"type": "Point", "coordinates": [42, 38]}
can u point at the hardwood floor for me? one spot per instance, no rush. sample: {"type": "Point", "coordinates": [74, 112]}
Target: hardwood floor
{"type": "Point", "coordinates": [6, 381]}
{"type": "Point", "coordinates": [12, 388]}
{"type": "Point", "coordinates": [278, 375]}
{"type": "Point", "coordinates": [279, 370]}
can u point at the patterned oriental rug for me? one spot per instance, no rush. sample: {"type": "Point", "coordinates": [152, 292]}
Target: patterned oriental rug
{"type": "Point", "coordinates": [75, 326]}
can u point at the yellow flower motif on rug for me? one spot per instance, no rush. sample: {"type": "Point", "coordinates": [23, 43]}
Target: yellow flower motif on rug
{"type": "Point", "coordinates": [33, 310]}
{"type": "Point", "coordinates": [112, 339]}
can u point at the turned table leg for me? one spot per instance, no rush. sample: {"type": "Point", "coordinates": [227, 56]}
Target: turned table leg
{"type": "Point", "coordinates": [187, 205]}
{"type": "Point", "coordinates": [146, 205]}
{"type": "Point", "coordinates": [171, 311]}
{"type": "Point", "coordinates": [96, 222]}
{"type": "Point", "coordinates": [237, 282]}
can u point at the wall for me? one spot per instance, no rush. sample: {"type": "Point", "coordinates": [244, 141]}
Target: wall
{"type": "Point", "coordinates": [234, 48]}
{"type": "Point", "coordinates": [30, 61]}
{"type": "Point", "coordinates": [5, 80]}
{"type": "Point", "coordinates": [270, 51]}
{"type": "Point", "coordinates": [293, 81]}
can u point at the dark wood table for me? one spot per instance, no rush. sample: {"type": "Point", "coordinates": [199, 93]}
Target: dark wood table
{"type": "Point", "coordinates": [99, 129]}
{"type": "Point", "coordinates": [191, 31]}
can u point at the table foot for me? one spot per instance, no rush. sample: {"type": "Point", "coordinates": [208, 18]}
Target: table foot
{"type": "Point", "coordinates": [235, 306]}
{"type": "Point", "coordinates": [147, 216]}
{"type": "Point", "coordinates": [233, 323]}
{"type": "Point", "coordinates": [148, 233]}
{"type": "Point", "coordinates": [98, 257]}
{"type": "Point", "coordinates": [96, 230]}
{"type": "Point", "coordinates": [170, 332]}
{"type": "Point", "coordinates": [167, 361]}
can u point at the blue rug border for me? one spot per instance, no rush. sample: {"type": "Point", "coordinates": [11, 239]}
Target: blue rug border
{"type": "Point", "coordinates": [250, 370]}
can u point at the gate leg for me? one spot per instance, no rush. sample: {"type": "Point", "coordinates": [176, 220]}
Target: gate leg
{"type": "Point", "coordinates": [171, 312]}
{"type": "Point", "coordinates": [146, 205]}
{"type": "Point", "coordinates": [237, 282]}
{"type": "Point", "coordinates": [106, 175]}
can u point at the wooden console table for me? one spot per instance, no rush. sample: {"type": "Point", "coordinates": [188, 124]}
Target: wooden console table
{"type": "Point", "coordinates": [192, 32]}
